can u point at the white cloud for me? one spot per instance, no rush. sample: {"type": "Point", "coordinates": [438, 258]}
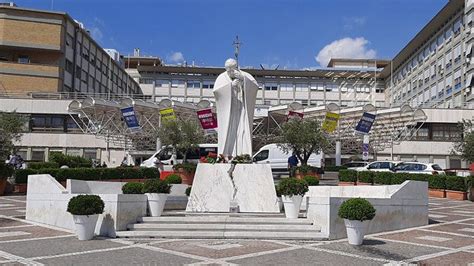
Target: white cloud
{"type": "Point", "coordinates": [176, 57]}
{"type": "Point", "coordinates": [355, 48]}
{"type": "Point", "coordinates": [354, 22]}
{"type": "Point", "coordinates": [97, 34]}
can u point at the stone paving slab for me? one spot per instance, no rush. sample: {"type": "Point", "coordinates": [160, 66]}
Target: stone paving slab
{"type": "Point", "coordinates": [55, 246]}
{"type": "Point", "coordinates": [430, 238]}
{"type": "Point", "coordinates": [28, 232]}
{"type": "Point", "coordinates": [383, 249]}
{"type": "Point", "coordinates": [455, 228]}
{"type": "Point", "coordinates": [458, 259]}
{"type": "Point", "coordinates": [448, 217]}
{"type": "Point", "coordinates": [220, 248]}
{"type": "Point", "coordinates": [4, 222]}
{"type": "Point", "coordinates": [305, 257]}
{"type": "Point", "coordinates": [134, 255]}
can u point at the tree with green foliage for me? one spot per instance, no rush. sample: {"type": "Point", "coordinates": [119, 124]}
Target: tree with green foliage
{"type": "Point", "coordinates": [464, 145]}
{"type": "Point", "coordinates": [303, 137]}
{"type": "Point", "coordinates": [11, 128]}
{"type": "Point", "coordinates": [181, 134]}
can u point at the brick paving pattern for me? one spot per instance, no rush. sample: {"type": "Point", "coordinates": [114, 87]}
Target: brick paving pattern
{"type": "Point", "coordinates": [447, 240]}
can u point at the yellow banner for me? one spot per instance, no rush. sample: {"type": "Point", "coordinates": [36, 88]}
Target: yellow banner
{"type": "Point", "coordinates": [330, 122]}
{"type": "Point", "coordinates": [167, 114]}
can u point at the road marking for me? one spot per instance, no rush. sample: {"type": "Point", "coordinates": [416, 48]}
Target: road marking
{"type": "Point", "coordinates": [219, 246]}
{"type": "Point", "coordinates": [14, 233]}
{"type": "Point", "coordinates": [467, 229]}
{"type": "Point", "coordinates": [434, 238]}
{"type": "Point", "coordinates": [6, 205]}
{"type": "Point", "coordinates": [436, 216]}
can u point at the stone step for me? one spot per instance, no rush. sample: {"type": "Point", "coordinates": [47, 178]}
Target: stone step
{"type": "Point", "coordinates": [223, 226]}
{"type": "Point", "coordinates": [220, 234]}
{"type": "Point", "coordinates": [226, 214]}
{"type": "Point", "coordinates": [222, 220]}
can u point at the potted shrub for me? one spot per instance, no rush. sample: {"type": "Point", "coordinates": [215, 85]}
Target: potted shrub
{"type": "Point", "coordinates": [456, 188]}
{"type": "Point", "coordinates": [5, 172]}
{"type": "Point", "coordinates": [437, 186]}
{"type": "Point", "coordinates": [357, 213]}
{"type": "Point", "coordinates": [85, 210]}
{"type": "Point", "coordinates": [311, 180]}
{"type": "Point", "coordinates": [292, 191]}
{"type": "Point", "coordinates": [157, 192]}
{"type": "Point", "coordinates": [132, 188]}
{"type": "Point", "coordinates": [347, 177]}
{"type": "Point", "coordinates": [365, 178]}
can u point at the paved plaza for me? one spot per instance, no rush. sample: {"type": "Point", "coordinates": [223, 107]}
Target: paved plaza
{"type": "Point", "coordinates": [449, 239]}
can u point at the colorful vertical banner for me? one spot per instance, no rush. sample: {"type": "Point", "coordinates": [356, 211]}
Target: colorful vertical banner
{"type": "Point", "coordinates": [130, 118]}
{"type": "Point", "coordinates": [330, 122]}
{"type": "Point", "coordinates": [294, 114]}
{"type": "Point", "coordinates": [167, 114]}
{"type": "Point", "coordinates": [365, 123]}
{"type": "Point", "coordinates": [207, 119]}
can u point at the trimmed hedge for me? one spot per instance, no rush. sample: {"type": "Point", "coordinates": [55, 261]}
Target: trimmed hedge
{"type": "Point", "coordinates": [132, 188]}
{"type": "Point", "coordinates": [174, 179]}
{"type": "Point", "coordinates": [292, 187]}
{"type": "Point", "coordinates": [347, 175]}
{"type": "Point", "coordinates": [366, 177]}
{"type": "Point", "coordinates": [383, 178]}
{"type": "Point", "coordinates": [455, 183]}
{"type": "Point", "coordinates": [399, 178]}
{"type": "Point", "coordinates": [333, 168]}
{"type": "Point", "coordinates": [42, 165]}
{"type": "Point", "coordinates": [156, 186]}
{"type": "Point", "coordinates": [437, 181]}
{"type": "Point", "coordinates": [311, 180]}
{"type": "Point", "coordinates": [71, 161]}
{"type": "Point", "coordinates": [356, 209]}
{"type": "Point", "coordinates": [89, 174]}
{"type": "Point", "coordinates": [85, 205]}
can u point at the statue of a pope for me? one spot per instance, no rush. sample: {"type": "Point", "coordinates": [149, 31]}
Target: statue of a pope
{"type": "Point", "coordinates": [235, 92]}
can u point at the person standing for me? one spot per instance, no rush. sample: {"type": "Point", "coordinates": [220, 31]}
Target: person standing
{"type": "Point", "coordinates": [292, 164]}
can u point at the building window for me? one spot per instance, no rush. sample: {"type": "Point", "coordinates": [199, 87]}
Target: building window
{"type": "Point", "coordinates": [23, 59]}
{"type": "Point", "coordinates": [271, 86]}
{"type": "Point", "coordinates": [78, 72]}
{"type": "Point", "coordinates": [193, 84]}
{"type": "Point", "coordinates": [207, 84]}
{"type": "Point", "coordinates": [69, 66]}
{"type": "Point", "coordinates": [301, 87]}
{"type": "Point", "coordinates": [47, 123]}
{"type": "Point", "coordinates": [37, 155]}
{"type": "Point", "coordinates": [286, 87]}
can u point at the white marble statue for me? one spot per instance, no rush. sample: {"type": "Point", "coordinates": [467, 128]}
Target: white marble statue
{"type": "Point", "coordinates": [235, 92]}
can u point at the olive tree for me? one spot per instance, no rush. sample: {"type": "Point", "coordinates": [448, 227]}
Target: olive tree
{"type": "Point", "coordinates": [11, 128]}
{"type": "Point", "coordinates": [302, 137]}
{"type": "Point", "coordinates": [181, 134]}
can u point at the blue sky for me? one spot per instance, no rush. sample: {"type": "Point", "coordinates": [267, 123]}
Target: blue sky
{"type": "Point", "coordinates": [289, 33]}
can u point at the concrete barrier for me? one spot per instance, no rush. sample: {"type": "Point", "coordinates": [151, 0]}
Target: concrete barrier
{"type": "Point", "coordinates": [397, 206]}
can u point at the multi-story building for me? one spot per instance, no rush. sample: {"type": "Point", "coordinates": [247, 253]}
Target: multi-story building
{"type": "Point", "coordinates": [357, 84]}
{"type": "Point", "coordinates": [49, 52]}
{"type": "Point", "coordinates": [434, 69]}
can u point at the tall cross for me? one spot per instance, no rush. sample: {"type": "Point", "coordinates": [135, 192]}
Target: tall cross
{"type": "Point", "coordinates": [237, 45]}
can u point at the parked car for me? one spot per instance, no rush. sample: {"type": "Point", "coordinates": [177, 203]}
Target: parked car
{"type": "Point", "coordinates": [278, 159]}
{"type": "Point", "coordinates": [378, 166]}
{"type": "Point", "coordinates": [165, 155]}
{"type": "Point", "coordinates": [355, 164]}
{"type": "Point", "coordinates": [418, 168]}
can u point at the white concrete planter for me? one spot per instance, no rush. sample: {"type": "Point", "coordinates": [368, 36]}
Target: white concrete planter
{"type": "Point", "coordinates": [85, 226]}
{"type": "Point", "coordinates": [292, 205]}
{"type": "Point", "coordinates": [156, 203]}
{"type": "Point", "coordinates": [280, 204]}
{"type": "Point", "coordinates": [355, 231]}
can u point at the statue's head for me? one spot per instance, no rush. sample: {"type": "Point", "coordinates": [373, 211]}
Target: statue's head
{"type": "Point", "coordinates": [230, 66]}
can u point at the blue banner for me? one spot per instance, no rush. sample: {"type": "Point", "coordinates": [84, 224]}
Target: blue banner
{"type": "Point", "coordinates": [130, 118]}
{"type": "Point", "coordinates": [365, 123]}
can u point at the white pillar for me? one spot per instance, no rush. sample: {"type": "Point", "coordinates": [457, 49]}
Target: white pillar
{"type": "Point", "coordinates": [338, 153]}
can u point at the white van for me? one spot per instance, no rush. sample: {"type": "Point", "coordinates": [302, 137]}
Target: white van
{"type": "Point", "coordinates": [165, 155]}
{"type": "Point", "coordinates": [278, 159]}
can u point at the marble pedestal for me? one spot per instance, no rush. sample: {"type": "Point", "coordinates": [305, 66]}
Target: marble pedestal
{"type": "Point", "coordinates": [212, 188]}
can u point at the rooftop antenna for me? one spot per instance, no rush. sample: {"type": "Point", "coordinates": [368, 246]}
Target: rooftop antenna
{"type": "Point", "coordinates": [237, 45]}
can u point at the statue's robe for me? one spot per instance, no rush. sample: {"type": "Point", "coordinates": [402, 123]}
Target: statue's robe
{"type": "Point", "coordinates": [235, 114]}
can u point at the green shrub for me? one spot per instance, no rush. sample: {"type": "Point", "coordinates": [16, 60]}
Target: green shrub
{"type": "Point", "coordinates": [292, 187]}
{"type": "Point", "coordinates": [347, 175]}
{"type": "Point", "coordinates": [156, 186]}
{"type": "Point", "coordinates": [174, 179]}
{"type": "Point", "coordinates": [85, 205]}
{"type": "Point", "coordinates": [277, 190]}
{"type": "Point", "coordinates": [437, 181]}
{"type": "Point", "coordinates": [42, 165]}
{"type": "Point", "coordinates": [132, 188]}
{"type": "Point", "coordinates": [5, 171]}
{"type": "Point", "coordinates": [399, 178]}
{"type": "Point", "coordinates": [366, 177]}
{"type": "Point", "coordinates": [187, 167]}
{"type": "Point", "coordinates": [383, 178]}
{"type": "Point", "coordinates": [333, 168]}
{"type": "Point", "coordinates": [21, 175]}
{"type": "Point", "coordinates": [418, 177]}
{"type": "Point", "coordinates": [357, 209]}
{"type": "Point", "coordinates": [71, 161]}
{"type": "Point", "coordinates": [150, 172]}
{"type": "Point", "coordinates": [129, 173]}
{"type": "Point", "coordinates": [311, 180]}
{"type": "Point", "coordinates": [188, 191]}
{"type": "Point", "coordinates": [455, 183]}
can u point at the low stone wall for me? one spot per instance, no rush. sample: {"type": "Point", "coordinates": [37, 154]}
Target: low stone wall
{"type": "Point", "coordinates": [397, 206]}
